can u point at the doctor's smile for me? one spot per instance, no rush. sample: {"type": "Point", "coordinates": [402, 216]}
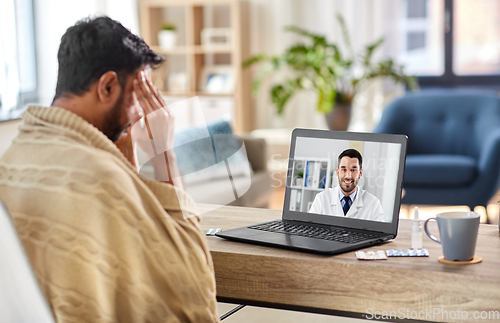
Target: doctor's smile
{"type": "Point", "coordinates": [347, 185]}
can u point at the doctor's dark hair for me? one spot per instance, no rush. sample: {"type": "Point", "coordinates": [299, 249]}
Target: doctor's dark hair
{"type": "Point", "coordinates": [94, 46]}
{"type": "Point", "coordinates": [352, 153]}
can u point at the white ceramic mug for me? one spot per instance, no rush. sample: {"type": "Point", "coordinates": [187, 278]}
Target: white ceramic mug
{"type": "Point", "coordinates": [458, 233]}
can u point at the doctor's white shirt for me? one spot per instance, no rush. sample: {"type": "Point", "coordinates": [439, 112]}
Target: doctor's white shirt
{"type": "Point", "coordinates": [365, 205]}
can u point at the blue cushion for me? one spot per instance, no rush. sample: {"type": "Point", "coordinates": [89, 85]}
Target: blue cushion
{"type": "Point", "coordinates": [439, 170]}
{"type": "Point", "coordinates": [194, 146]}
{"type": "Point", "coordinates": [443, 122]}
{"type": "Point", "coordinates": [200, 151]}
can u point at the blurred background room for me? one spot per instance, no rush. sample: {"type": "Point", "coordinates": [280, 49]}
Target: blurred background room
{"type": "Point", "coordinates": [448, 45]}
{"type": "Point", "coordinates": [261, 68]}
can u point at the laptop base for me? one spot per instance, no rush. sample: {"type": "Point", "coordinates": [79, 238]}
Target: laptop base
{"type": "Point", "coordinates": [295, 242]}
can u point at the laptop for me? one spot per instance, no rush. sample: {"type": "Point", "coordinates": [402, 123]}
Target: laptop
{"type": "Point", "coordinates": [314, 217]}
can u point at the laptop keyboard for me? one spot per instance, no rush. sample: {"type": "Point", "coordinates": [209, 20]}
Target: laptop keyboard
{"type": "Point", "coordinates": [334, 234]}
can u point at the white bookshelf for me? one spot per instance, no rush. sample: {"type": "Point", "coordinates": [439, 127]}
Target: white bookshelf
{"type": "Point", "coordinates": [317, 176]}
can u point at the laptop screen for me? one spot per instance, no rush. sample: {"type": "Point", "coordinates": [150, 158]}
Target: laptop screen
{"type": "Point", "coordinates": [349, 177]}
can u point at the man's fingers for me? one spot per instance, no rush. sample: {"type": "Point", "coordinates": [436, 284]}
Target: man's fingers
{"type": "Point", "coordinates": [141, 97]}
{"type": "Point", "coordinates": [159, 97]}
{"type": "Point", "coordinates": [156, 93]}
{"type": "Point", "coordinates": [148, 90]}
{"type": "Point", "coordinates": [146, 100]}
{"type": "Point", "coordinates": [151, 100]}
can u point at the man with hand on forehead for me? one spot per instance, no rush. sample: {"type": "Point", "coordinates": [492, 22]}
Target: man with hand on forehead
{"type": "Point", "coordinates": [105, 244]}
{"type": "Point", "coordinates": [347, 199]}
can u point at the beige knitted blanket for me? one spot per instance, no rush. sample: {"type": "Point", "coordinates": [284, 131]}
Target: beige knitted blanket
{"type": "Point", "coordinates": [106, 245]}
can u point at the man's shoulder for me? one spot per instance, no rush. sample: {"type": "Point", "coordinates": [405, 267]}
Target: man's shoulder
{"type": "Point", "coordinates": [54, 143]}
{"type": "Point", "coordinates": [367, 196]}
{"type": "Point", "coordinates": [325, 194]}
{"type": "Point", "coordinates": [102, 166]}
{"type": "Point", "coordinates": [73, 159]}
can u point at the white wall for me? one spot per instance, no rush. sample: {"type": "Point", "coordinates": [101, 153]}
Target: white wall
{"type": "Point", "coordinates": [49, 31]}
{"type": "Point", "coordinates": [319, 148]}
{"type": "Point", "coordinates": [8, 130]}
{"type": "Point", "coordinates": [52, 18]}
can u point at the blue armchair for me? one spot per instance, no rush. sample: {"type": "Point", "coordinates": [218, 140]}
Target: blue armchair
{"type": "Point", "coordinates": [453, 146]}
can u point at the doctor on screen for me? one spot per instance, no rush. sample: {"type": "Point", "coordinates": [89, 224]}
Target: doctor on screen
{"type": "Point", "coordinates": [347, 199]}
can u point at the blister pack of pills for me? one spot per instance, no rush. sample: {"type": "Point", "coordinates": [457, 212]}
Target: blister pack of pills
{"type": "Point", "coordinates": [371, 255]}
{"type": "Point", "coordinates": [212, 232]}
{"type": "Point", "coordinates": [407, 253]}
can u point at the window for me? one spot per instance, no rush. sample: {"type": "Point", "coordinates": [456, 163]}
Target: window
{"type": "Point", "coordinates": [416, 9]}
{"type": "Point", "coordinates": [414, 33]}
{"type": "Point", "coordinates": [416, 40]}
{"type": "Point", "coordinates": [447, 43]}
{"type": "Point", "coordinates": [18, 81]}
{"type": "Point", "coordinates": [476, 37]}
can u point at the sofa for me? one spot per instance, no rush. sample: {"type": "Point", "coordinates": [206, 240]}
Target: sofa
{"type": "Point", "coordinates": [453, 155]}
{"type": "Point", "coordinates": [220, 168]}
{"type": "Point", "coordinates": [260, 190]}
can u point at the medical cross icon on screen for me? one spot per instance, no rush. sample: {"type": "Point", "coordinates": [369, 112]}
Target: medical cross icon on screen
{"type": "Point", "coordinates": [212, 161]}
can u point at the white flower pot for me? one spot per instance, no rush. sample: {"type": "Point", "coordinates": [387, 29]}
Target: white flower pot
{"type": "Point", "coordinates": [167, 39]}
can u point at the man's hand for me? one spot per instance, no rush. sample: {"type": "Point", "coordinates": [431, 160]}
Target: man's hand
{"type": "Point", "coordinates": [157, 137]}
{"type": "Point", "coordinates": [160, 121]}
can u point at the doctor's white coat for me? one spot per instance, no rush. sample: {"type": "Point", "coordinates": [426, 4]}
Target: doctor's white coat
{"type": "Point", "coordinates": [365, 206]}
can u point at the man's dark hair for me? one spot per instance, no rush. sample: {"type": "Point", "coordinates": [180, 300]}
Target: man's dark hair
{"type": "Point", "coordinates": [352, 153]}
{"type": "Point", "coordinates": [94, 46]}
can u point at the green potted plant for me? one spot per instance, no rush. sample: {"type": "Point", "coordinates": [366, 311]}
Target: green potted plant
{"type": "Point", "coordinates": [322, 67]}
{"type": "Point", "coordinates": [299, 179]}
{"type": "Point", "coordinates": [167, 36]}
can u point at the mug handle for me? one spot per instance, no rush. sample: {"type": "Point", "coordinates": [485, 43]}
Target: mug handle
{"type": "Point", "coordinates": [427, 231]}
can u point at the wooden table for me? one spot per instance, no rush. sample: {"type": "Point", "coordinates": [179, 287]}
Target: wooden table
{"type": "Point", "coordinates": [342, 285]}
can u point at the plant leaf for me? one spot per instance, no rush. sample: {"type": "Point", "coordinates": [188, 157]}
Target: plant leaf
{"type": "Point", "coordinates": [326, 99]}
{"type": "Point", "coordinates": [262, 74]}
{"type": "Point", "coordinates": [345, 34]}
{"type": "Point", "coordinates": [281, 93]}
{"type": "Point", "coordinates": [370, 49]}
{"type": "Point", "coordinates": [255, 59]}
{"type": "Point", "coordinates": [317, 39]}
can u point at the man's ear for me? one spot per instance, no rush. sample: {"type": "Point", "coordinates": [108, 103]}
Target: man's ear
{"type": "Point", "coordinates": [108, 87]}
{"type": "Point", "coordinates": [360, 172]}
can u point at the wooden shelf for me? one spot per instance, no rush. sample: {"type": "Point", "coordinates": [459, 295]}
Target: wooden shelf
{"type": "Point", "coordinates": [181, 50]}
{"type": "Point", "coordinates": [213, 49]}
{"type": "Point", "coordinates": [184, 50]}
{"type": "Point", "coordinates": [191, 94]}
{"type": "Point", "coordinates": [191, 58]}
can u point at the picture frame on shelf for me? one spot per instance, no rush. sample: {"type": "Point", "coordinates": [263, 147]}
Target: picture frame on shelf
{"type": "Point", "coordinates": [217, 79]}
{"type": "Point", "coordinates": [216, 36]}
{"type": "Point", "coordinates": [178, 82]}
